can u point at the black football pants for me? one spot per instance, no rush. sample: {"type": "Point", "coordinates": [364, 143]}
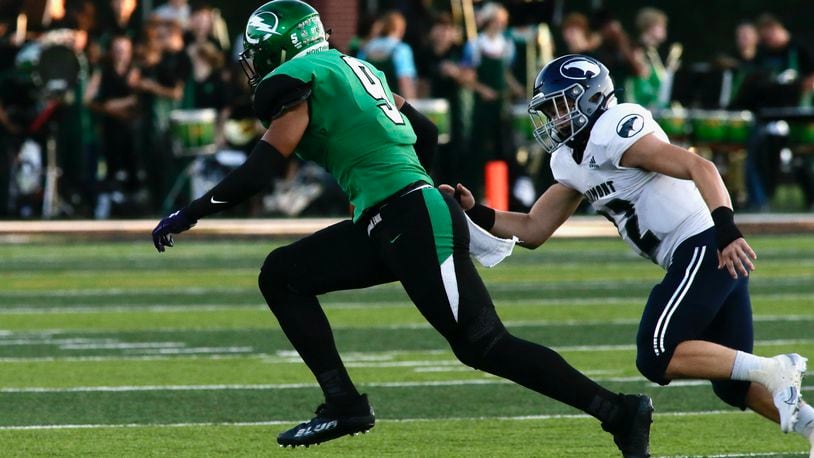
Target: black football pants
{"type": "Point", "coordinates": [420, 239]}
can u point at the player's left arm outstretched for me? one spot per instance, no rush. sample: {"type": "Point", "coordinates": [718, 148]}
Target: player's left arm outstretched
{"type": "Point", "coordinates": [653, 154]}
{"type": "Point", "coordinates": [268, 159]}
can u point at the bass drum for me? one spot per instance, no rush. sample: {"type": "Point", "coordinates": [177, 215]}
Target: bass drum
{"type": "Point", "coordinates": [53, 69]}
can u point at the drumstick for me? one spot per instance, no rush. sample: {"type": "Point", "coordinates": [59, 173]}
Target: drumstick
{"type": "Point", "coordinates": [469, 20]}
{"type": "Point", "coordinates": [22, 26]}
{"type": "Point", "coordinates": [674, 56]}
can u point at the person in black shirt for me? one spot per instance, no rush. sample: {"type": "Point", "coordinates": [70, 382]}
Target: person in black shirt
{"type": "Point", "coordinates": [110, 94]}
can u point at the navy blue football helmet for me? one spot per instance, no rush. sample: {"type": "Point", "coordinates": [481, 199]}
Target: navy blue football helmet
{"type": "Point", "coordinates": [570, 93]}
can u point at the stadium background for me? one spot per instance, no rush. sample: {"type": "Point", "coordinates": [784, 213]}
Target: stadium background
{"type": "Point", "coordinates": [107, 349]}
{"type": "Point", "coordinates": [705, 28]}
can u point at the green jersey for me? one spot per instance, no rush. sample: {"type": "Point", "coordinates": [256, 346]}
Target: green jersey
{"type": "Point", "coordinates": [355, 130]}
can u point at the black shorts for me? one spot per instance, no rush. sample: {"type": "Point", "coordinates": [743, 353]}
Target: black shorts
{"type": "Point", "coordinates": [694, 301]}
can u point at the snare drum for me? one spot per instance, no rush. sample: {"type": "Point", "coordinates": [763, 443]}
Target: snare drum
{"type": "Point", "coordinates": [709, 127]}
{"type": "Point", "coordinates": [673, 122]}
{"type": "Point", "coordinates": [739, 126]}
{"type": "Point", "coordinates": [193, 132]}
{"type": "Point", "coordinates": [800, 125]}
{"type": "Point", "coordinates": [437, 110]}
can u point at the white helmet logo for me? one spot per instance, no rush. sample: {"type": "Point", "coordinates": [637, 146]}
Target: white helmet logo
{"type": "Point", "coordinates": [579, 68]}
{"type": "Point", "coordinates": [265, 21]}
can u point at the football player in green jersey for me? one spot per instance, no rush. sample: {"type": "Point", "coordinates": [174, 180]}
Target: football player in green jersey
{"type": "Point", "coordinates": [339, 112]}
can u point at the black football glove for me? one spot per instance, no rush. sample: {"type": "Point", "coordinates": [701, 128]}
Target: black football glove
{"type": "Point", "coordinates": [174, 224]}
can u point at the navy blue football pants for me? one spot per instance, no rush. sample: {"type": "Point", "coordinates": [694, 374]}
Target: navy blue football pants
{"type": "Point", "coordinates": [696, 301]}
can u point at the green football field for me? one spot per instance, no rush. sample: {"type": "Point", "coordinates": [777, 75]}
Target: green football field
{"type": "Point", "coordinates": [109, 349]}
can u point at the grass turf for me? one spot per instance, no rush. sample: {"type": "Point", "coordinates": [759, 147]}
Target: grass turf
{"type": "Point", "coordinates": [112, 334]}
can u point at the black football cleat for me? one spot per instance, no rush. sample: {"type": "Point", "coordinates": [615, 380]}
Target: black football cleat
{"type": "Point", "coordinates": [330, 423]}
{"type": "Point", "coordinates": [633, 439]}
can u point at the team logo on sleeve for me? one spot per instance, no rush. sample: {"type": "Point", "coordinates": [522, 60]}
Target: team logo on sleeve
{"type": "Point", "coordinates": [579, 68]}
{"type": "Point", "coordinates": [630, 125]}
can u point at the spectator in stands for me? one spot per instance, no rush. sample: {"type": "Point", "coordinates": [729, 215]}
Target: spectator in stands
{"type": "Point", "coordinates": [487, 61]}
{"type": "Point", "coordinates": [445, 77]}
{"type": "Point", "coordinates": [784, 58]}
{"type": "Point", "coordinates": [74, 134]}
{"type": "Point", "coordinates": [577, 35]}
{"type": "Point", "coordinates": [367, 28]}
{"type": "Point", "coordinates": [111, 94]}
{"type": "Point", "coordinates": [392, 56]}
{"type": "Point", "coordinates": [654, 87]}
{"type": "Point", "coordinates": [624, 60]}
{"type": "Point", "coordinates": [783, 77]}
{"type": "Point", "coordinates": [174, 10]}
{"type": "Point", "coordinates": [201, 26]}
{"type": "Point", "coordinates": [208, 87]}
{"type": "Point", "coordinates": [120, 18]}
{"type": "Point", "coordinates": [164, 69]}
{"type": "Point", "coordinates": [743, 63]}
{"type": "Point", "coordinates": [746, 41]}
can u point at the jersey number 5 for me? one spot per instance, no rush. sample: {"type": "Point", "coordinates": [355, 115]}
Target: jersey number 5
{"type": "Point", "coordinates": [374, 87]}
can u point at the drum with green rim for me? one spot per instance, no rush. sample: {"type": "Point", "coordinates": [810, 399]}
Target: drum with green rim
{"type": "Point", "coordinates": [739, 126]}
{"type": "Point", "coordinates": [673, 122]}
{"type": "Point", "coordinates": [709, 126]}
{"type": "Point", "coordinates": [193, 132]}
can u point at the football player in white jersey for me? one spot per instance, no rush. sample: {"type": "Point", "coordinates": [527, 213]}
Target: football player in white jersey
{"type": "Point", "coordinates": [671, 206]}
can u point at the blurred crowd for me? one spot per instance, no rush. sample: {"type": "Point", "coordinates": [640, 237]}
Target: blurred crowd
{"type": "Point", "coordinates": [112, 111]}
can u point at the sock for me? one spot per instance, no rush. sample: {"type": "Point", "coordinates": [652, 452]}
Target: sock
{"type": "Point", "coordinates": [337, 387]}
{"type": "Point", "coordinates": [609, 410]}
{"type": "Point", "coordinates": [805, 422]}
{"type": "Point", "coordinates": [752, 368]}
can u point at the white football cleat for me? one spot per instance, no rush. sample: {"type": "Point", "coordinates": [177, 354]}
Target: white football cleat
{"type": "Point", "coordinates": [784, 384]}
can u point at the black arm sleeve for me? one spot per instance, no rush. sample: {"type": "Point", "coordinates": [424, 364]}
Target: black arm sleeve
{"type": "Point", "coordinates": [264, 163]}
{"type": "Point", "coordinates": [426, 135]}
{"type": "Point", "coordinates": [276, 94]}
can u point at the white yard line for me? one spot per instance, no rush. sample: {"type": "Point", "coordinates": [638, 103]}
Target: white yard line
{"type": "Point", "coordinates": [407, 326]}
{"type": "Point", "coordinates": [290, 386]}
{"type": "Point", "coordinates": [402, 420]}
{"type": "Point", "coordinates": [359, 360]}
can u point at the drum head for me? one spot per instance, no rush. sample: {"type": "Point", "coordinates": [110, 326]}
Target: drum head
{"type": "Point", "coordinates": [58, 68]}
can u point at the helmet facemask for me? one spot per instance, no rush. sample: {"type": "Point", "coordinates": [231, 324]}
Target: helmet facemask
{"type": "Point", "coordinates": [557, 117]}
{"type": "Point", "coordinates": [247, 64]}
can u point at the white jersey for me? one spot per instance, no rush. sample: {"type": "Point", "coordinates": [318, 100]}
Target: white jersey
{"type": "Point", "coordinates": [653, 213]}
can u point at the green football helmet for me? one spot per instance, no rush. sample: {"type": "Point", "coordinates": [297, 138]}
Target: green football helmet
{"type": "Point", "coordinates": [277, 32]}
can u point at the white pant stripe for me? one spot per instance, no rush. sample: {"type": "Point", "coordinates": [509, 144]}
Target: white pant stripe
{"type": "Point", "coordinates": [683, 293]}
{"type": "Point", "coordinates": [670, 303]}
{"type": "Point", "coordinates": [450, 285]}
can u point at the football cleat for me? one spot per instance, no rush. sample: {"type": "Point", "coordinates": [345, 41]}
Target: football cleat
{"type": "Point", "coordinates": [633, 439]}
{"type": "Point", "coordinates": [330, 423]}
{"type": "Point", "coordinates": [784, 384]}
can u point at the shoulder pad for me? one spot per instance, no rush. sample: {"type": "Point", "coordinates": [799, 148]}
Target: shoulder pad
{"type": "Point", "coordinates": [619, 128]}
{"type": "Point", "coordinates": [278, 92]}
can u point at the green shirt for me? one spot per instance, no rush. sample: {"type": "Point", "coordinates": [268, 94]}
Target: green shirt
{"type": "Point", "coordinates": [355, 131]}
